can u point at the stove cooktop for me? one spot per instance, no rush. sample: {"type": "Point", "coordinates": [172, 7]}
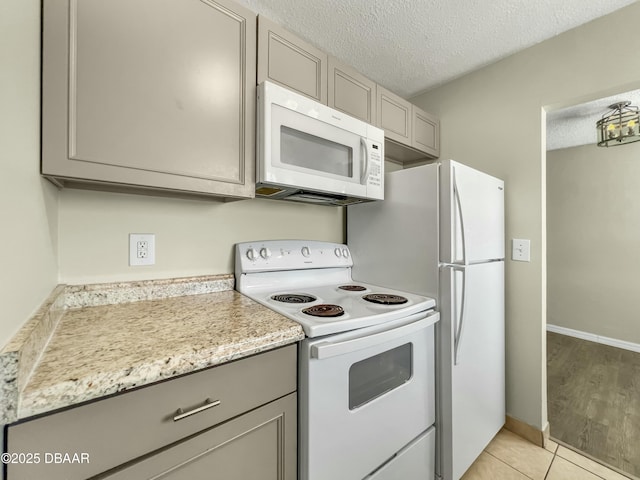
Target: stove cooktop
{"type": "Point", "coordinates": [353, 311]}
{"type": "Point", "coordinates": [310, 282]}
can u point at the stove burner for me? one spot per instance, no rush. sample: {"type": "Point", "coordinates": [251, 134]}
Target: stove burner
{"type": "Point", "coordinates": [385, 299]}
{"type": "Point", "coordinates": [352, 288]}
{"type": "Point", "coordinates": [324, 310]}
{"type": "Point", "coordinates": [293, 298]}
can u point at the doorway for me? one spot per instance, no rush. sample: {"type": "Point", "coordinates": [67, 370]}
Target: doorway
{"type": "Point", "coordinates": [593, 295]}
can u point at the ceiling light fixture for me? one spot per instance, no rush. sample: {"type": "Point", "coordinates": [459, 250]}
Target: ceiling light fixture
{"type": "Point", "coordinates": [619, 126]}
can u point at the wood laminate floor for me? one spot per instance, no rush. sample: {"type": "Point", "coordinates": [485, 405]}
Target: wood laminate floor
{"type": "Point", "coordinates": [593, 395]}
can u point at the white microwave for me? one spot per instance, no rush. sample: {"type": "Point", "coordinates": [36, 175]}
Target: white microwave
{"type": "Point", "coordinates": [308, 152]}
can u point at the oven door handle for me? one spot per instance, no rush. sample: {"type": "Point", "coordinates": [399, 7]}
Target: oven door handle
{"type": "Point", "coordinates": [330, 349]}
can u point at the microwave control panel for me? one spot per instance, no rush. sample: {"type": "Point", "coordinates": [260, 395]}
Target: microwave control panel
{"type": "Point", "coordinates": [375, 165]}
{"type": "Point", "coordinates": [375, 176]}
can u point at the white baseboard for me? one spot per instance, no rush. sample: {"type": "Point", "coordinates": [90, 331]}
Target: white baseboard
{"type": "Point", "coordinates": [592, 337]}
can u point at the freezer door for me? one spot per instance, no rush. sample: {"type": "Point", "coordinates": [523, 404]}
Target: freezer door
{"type": "Point", "coordinates": [472, 215]}
{"type": "Point", "coordinates": [471, 368]}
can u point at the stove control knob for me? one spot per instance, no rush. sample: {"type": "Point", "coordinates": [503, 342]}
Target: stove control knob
{"type": "Point", "coordinates": [345, 253]}
{"type": "Point", "coordinates": [265, 253]}
{"type": "Point", "coordinates": [338, 252]}
{"type": "Point", "coordinates": [252, 254]}
{"type": "Point", "coordinates": [305, 252]}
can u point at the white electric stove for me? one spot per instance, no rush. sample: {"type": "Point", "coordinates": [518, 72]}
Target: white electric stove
{"type": "Point", "coordinates": [310, 282]}
{"type": "Point", "coordinates": [366, 400]}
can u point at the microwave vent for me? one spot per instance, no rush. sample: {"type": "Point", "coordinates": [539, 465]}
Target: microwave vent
{"type": "Point", "coordinates": [268, 191]}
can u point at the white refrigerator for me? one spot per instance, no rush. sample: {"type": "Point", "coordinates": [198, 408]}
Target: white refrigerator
{"type": "Point", "coordinates": [440, 232]}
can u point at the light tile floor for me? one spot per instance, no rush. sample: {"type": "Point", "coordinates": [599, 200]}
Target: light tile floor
{"type": "Point", "coordinates": [510, 457]}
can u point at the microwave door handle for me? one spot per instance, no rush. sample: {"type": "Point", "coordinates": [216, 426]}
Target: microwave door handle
{"type": "Point", "coordinates": [365, 164]}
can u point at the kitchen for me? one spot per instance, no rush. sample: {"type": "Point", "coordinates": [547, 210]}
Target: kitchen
{"type": "Point", "coordinates": [76, 237]}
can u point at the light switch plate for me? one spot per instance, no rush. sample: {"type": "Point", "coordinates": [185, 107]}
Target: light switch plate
{"type": "Point", "coordinates": [142, 249]}
{"type": "Point", "coordinates": [521, 250]}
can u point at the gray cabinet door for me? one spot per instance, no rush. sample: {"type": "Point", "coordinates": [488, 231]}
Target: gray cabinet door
{"type": "Point", "coordinates": [291, 62]}
{"type": "Point", "coordinates": [135, 423]}
{"type": "Point", "coordinates": [351, 92]}
{"type": "Point", "coordinates": [260, 445]}
{"type": "Point", "coordinates": [394, 116]}
{"type": "Point", "coordinates": [426, 132]}
{"type": "Point", "coordinates": [152, 94]}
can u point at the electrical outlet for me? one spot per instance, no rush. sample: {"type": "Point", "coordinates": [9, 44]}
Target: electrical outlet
{"type": "Point", "coordinates": [142, 249]}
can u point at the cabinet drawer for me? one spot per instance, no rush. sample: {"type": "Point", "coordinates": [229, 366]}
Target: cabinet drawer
{"type": "Point", "coordinates": [260, 444]}
{"type": "Point", "coordinates": [416, 460]}
{"type": "Point", "coordinates": [126, 426]}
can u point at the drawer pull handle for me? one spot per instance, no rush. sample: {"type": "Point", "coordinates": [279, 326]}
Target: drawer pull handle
{"type": "Point", "coordinates": [208, 403]}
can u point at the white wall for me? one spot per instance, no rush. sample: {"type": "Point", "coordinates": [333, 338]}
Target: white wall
{"type": "Point", "coordinates": [193, 237]}
{"type": "Point", "coordinates": [494, 120]}
{"type": "Point", "coordinates": [86, 232]}
{"type": "Point", "coordinates": [593, 236]}
{"type": "Point", "coordinates": [28, 204]}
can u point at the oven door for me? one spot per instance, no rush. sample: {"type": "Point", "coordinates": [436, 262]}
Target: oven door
{"type": "Point", "coordinates": [364, 395]}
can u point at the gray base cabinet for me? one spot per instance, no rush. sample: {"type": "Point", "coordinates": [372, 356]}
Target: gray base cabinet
{"type": "Point", "coordinates": [222, 419]}
{"type": "Point", "coordinates": [260, 445]}
{"type": "Point", "coordinates": [150, 95]}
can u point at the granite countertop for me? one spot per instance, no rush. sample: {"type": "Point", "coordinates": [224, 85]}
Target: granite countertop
{"type": "Point", "coordinates": [110, 338]}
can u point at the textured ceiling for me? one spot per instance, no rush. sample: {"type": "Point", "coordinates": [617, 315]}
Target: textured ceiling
{"type": "Point", "coordinates": [412, 45]}
{"type": "Point", "coordinates": [576, 125]}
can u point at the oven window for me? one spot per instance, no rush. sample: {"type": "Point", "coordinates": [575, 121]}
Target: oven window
{"type": "Point", "coordinates": [314, 153]}
{"type": "Point", "coordinates": [377, 375]}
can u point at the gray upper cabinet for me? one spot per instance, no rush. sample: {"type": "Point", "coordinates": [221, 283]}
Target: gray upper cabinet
{"type": "Point", "coordinates": [394, 116]}
{"type": "Point", "coordinates": [411, 133]}
{"type": "Point", "coordinates": [426, 132]}
{"type": "Point", "coordinates": [150, 95]}
{"type": "Point", "coordinates": [291, 62]}
{"type": "Point", "coordinates": [351, 92]}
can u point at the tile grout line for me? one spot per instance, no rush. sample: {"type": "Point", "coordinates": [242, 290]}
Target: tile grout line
{"type": "Point", "coordinates": [603, 464]}
{"type": "Point", "coordinates": [580, 466]}
{"type": "Point", "coordinates": [555, 455]}
{"type": "Point", "coordinates": [508, 465]}
{"type": "Point", "coordinates": [553, 459]}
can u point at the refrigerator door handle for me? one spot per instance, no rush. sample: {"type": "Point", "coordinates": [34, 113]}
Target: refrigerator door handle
{"type": "Point", "coordinates": [459, 327]}
{"type": "Point", "coordinates": [456, 195]}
